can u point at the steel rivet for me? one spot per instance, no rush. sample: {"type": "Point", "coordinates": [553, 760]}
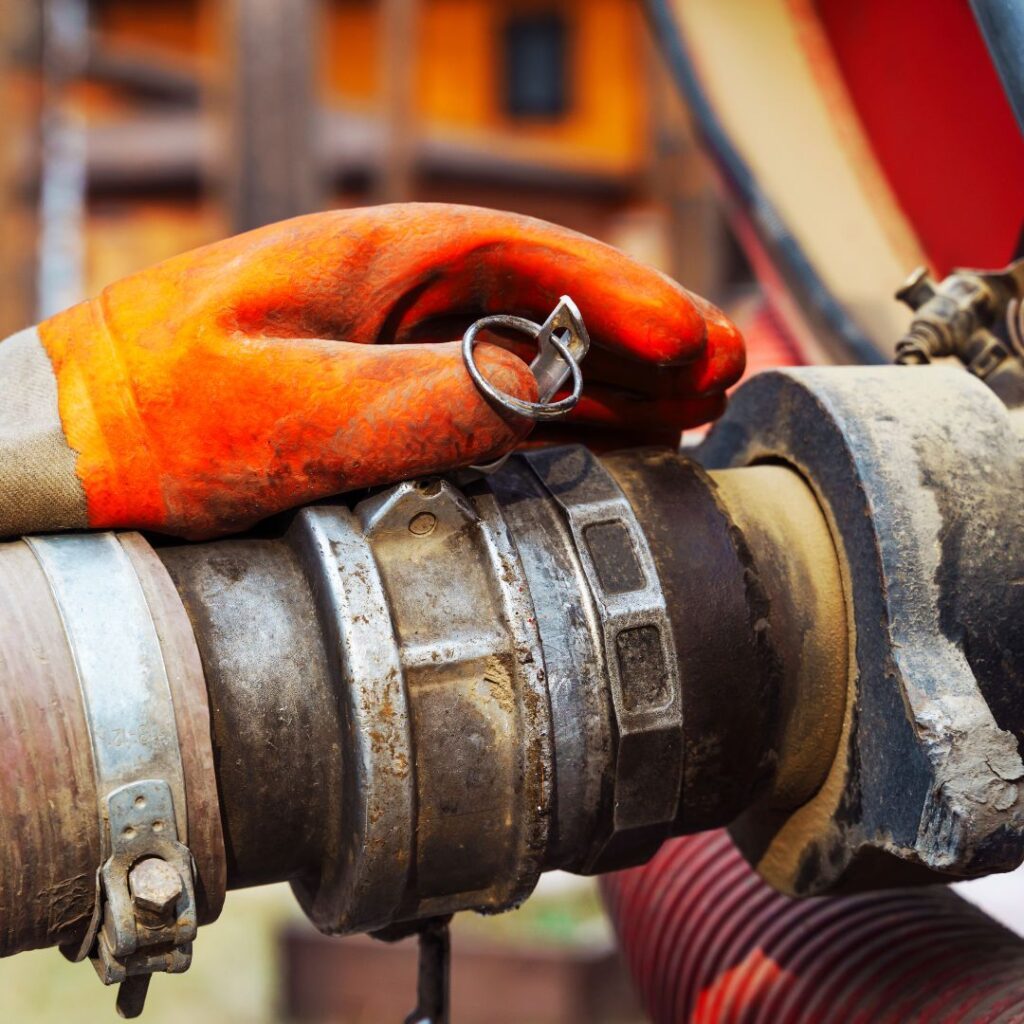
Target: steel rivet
{"type": "Point", "coordinates": [422, 524]}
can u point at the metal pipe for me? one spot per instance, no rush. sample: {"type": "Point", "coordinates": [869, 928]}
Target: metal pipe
{"type": "Point", "coordinates": [274, 718]}
{"type": "Point", "coordinates": [414, 706]}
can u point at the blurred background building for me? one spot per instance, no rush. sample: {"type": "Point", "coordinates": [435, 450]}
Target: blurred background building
{"type": "Point", "coordinates": [134, 130]}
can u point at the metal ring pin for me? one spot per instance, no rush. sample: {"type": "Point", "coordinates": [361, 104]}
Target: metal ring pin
{"type": "Point", "coordinates": [557, 359]}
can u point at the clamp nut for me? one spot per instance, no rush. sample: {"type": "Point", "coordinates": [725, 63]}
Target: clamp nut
{"type": "Point", "coordinates": [155, 885]}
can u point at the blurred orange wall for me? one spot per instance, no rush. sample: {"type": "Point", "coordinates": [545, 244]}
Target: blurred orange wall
{"type": "Point", "coordinates": [603, 132]}
{"type": "Point", "coordinates": [459, 65]}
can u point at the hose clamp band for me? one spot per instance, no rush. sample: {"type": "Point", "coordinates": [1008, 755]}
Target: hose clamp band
{"type": "Point", "coordinates": [140, 779]}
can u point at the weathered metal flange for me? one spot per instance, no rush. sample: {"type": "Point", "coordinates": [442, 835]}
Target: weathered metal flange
{"type": "Point", "coordinates": [581, 711]}
{"type": "Point", "coordinates": [363, 881]}
{"type": "Point", "coordinates": [474, 676]}
{"type": "Point", "coordinates": [446, 776]}
{"type": "Point", "coordinates": [634, 640]}
{"type": "Point", "coordinates": [919, 473]}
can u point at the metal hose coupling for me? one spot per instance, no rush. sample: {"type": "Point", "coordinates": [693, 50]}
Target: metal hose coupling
{"type": "Point", "coordinates": [413, 702]}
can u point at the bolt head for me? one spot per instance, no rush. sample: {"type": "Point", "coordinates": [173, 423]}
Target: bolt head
{"type": "Point", "coordinates": [155, 886]}
{"type": "Point", "coordinates": [917, 289]}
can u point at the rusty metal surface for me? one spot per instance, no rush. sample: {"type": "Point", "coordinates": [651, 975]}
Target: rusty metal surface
{"type": "Point", "coordinates": [501, 673]}
{"type": "Point", "coordinates": [46, 760]}
{"type": "Point", "coordinates": [154, 886]}
{"type": "Point", "coordinates": [362, 883]}
{"type": "Point", "coordinates": [131, 941]}
{"type": "Point", "coordinates": [729, 671]}
{"type": "Point", "coordinates": [581, 712]}
{"type": "Point", "coordinates": [274, 718]}
{"type": "Point", "coordinates": [192, 716]}
{"type": "Point", "coordinates": [640, 668]}
{"type": "Point", "coordinates": [474, 673]}
{"type": "Point", "coordinates": [491, 712]}
{"type": "Point", "coordinates": [415, 714]}
{"type": "Point", "coordinates": [919, 473]}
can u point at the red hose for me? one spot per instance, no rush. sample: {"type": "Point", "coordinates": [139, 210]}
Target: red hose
{"type": "Point", "coordinates": [707, 942]}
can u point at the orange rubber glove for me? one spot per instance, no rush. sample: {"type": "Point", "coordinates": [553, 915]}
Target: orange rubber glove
{"type": "Point", "coordinates": [258, 373]}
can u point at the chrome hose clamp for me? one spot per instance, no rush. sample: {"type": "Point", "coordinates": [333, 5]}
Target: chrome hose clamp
{"type": "Point", "coordinates": [144, 916]}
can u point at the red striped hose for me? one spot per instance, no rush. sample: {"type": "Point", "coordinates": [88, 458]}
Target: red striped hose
{"type": "Point", "coordinates": [707, 942]}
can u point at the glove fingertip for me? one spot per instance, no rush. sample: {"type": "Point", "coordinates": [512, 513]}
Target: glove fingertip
{"type": "Point", "coordinates": [508, 374]}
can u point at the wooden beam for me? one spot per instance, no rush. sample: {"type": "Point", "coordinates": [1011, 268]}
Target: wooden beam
{"type": "Point", "coordinates": [681, 186]}
{"type": "Point", "coordinates": [265, 105]}
{"type": "Point", "coordinates": [148, 72]}
{"type": "Point", "coordinates": [166, 150]}
{"type": "Point", "coordinates": [62, 180]}
{"type": "Point", "coordinates": [19, 154]}
{"type": "Point", "coordinates": [398, 28]}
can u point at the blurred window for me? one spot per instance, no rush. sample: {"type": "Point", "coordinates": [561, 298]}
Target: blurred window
{"type": "Point", "coordinates": [536, 66]}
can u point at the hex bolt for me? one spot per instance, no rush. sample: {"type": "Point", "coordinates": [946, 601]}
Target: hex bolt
{"type": "Point", "coordinates": [155, 886]}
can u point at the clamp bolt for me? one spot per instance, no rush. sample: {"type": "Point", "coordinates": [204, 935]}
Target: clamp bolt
{"type": "Point", "coordinates": [155, 886]}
